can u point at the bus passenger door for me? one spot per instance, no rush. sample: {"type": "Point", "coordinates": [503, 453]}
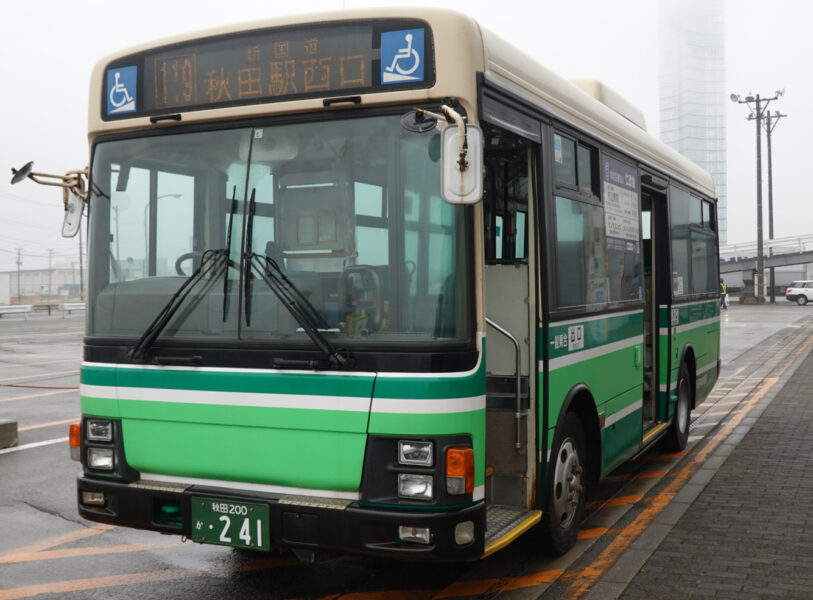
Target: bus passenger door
{"type": "Point", "coordinates": [655, 234]}
{"type": "Point", "coordinates": [510, 310]}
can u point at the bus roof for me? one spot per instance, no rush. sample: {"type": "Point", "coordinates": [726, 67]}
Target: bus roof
{"type": "Point", "coordinates": [462, 49]}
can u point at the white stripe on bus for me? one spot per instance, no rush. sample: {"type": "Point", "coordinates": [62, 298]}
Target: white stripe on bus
{"type": "Point", "coordinates": [582, 355]}
{"type": "Point", "coordinates": [689, 326]}
{"type": "Point", "coordinates": [304, 402]}
{"type": "Point", "coordinates": [624, 412]}
{"type": "Point", "coordinates": [603, 316]}
{"type": "Point", "coordinates": [252, 487]}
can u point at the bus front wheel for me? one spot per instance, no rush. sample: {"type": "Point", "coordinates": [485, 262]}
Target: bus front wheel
{"type": "Point", "coordinates": [564, 502]}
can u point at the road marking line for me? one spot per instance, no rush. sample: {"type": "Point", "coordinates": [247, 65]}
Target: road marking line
{"type": "Point", "coordinates": [37, 364]}
{"type": "Point", "coordinates": [592, 533]}
{"type": "Point", "coordinates": [490, 586]}
{"type": "Point", "coordinates": [95, 583]}
{"type": "Point", "coordinates": [618, 501]}
{"type": "Point", "coordinates": [89, 551]}
{"type": "Point", "coordinates": [40, 395]}
{"type": "Point", "coordinates": [51, 424]}
{"type": "Point", "coordinates": [41, 375]}
{"type": "Point", "coordinates": [636, 476]}
{"type": "Point", "coordinates": [49, 543]}
{"type": "Point", "coordinates": [34, 445]}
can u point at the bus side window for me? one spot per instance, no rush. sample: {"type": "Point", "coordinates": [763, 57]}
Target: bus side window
{"type": "Point", "coordinates": [505, 197]}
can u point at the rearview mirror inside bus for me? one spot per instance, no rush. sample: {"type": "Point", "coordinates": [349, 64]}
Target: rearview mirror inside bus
{"type": "Point", "coordinates": [461, 179]}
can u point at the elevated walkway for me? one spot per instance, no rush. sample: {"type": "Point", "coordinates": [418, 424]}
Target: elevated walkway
{"type": "Point", "coordinates": [778, 252]}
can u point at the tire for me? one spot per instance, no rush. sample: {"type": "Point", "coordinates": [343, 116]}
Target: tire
{"type": "Point", "coordinates": [801, 300]}
{"type": "Point", "coordinates": [678, 434]}
{"type": "Point", "coordinates": [567, 488]}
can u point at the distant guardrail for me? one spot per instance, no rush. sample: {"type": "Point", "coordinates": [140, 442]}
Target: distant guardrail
{"type": "Point", "coordinates": [69, 307]}
{"type": "Point", "coordinates": [16, 309]}
{"type": "Point", "coordinates": [798, 244]}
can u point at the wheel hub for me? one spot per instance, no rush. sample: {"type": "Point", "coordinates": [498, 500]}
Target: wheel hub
{"type": "Point", "coordinates": [567, 488]}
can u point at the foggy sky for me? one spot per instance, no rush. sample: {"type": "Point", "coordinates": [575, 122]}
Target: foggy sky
{"type": "Point", "coordinates": [48, 48]}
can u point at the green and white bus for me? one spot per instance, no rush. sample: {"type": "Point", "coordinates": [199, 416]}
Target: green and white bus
{"type": "Point", "coordinates": [377, 282]}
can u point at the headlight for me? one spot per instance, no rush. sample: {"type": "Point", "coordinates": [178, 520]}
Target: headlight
{"type": "Point", "coordinates": [415, 453]}
{"type": "Point", "coordinates": [100, 458]}
{"type": "Point", "coordinates": [415, 487]}
{"type": "Point", "coordinates": [99, 430]}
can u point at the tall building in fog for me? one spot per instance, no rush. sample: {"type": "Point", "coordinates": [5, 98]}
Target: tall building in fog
{"type": "Point", "coordinates": [692, 88]}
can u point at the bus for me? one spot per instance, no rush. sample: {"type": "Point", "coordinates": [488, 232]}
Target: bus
{"type": "Point", "coordinates": [377, 282]}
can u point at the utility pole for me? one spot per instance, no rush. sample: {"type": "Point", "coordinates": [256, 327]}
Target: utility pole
{"type": "Point", "coordinates": [757, 114]}
{"type": "Point", "coordinates": [769, 127]}
{"type": "Point", "coordinates": [19, 264]}
{"type": "Point", "coordinates": [50, 256]}
{"type": "Point", "coordinates": [81, 268]}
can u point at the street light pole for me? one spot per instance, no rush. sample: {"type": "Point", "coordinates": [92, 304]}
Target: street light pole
{"type": "Point", "coordinates": [769, 127]}
{"type": "Point", "coordinates": [757, 114]}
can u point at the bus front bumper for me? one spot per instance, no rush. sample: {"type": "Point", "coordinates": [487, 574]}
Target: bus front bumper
{"type": "Point", "coordinates": [296, 522]}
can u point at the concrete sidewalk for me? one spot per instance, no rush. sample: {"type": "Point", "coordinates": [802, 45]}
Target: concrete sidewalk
{"type": "Point", "coordinates": [748, 532]}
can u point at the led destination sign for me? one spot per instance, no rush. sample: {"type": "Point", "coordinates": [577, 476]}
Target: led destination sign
{"type": "Point", "coordinates": [271, 65]}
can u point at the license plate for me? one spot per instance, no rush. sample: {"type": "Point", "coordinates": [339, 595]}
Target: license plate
{"type": "Point", "coordinates": [230, 523]}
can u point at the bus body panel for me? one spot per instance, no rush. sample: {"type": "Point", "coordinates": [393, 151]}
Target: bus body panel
{"type": "Point", "coordinates": [300, 430]}
{"type": "Point", "coordinates": [610, 364]}
{"type": "Point", "coordinates": [454, 404]}
{"type": "Point", "coordinates": [697, 327]}
{"type": "Point", "coordinates": [694, 325]}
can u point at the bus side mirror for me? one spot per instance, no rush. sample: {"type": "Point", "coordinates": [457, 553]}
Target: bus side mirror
{"type": "Point", "coordinates": [74, 205]}
{"type": "Point", "coordinates": [461, 165]}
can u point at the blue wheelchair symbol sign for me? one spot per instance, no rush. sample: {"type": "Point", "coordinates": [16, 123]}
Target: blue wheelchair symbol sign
{"type": "Point", "coordinates": [402, 55]}
{"type": "Point", "coordinates": [121, 90]}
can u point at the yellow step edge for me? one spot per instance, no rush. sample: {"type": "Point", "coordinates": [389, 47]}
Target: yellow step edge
{"type": "Point", "coordinates": [512, 535]}
{"type": "Point", "coordinates": [653, 433]}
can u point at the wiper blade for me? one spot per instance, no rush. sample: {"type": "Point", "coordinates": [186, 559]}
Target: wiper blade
{"type": "Point", "coordinates": [259, 264]}
{"type": "Point", "coordinates": [210, 264]}
{"type": "Point", "coordinates": [247, 254]}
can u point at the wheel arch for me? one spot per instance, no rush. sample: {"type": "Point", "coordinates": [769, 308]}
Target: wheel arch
{"type": "Point", "coordinates": [688, 358]}
{"type": "Point", "coordinates": [580, 401]}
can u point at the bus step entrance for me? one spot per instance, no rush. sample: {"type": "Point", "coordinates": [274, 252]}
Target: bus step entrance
{"type": "Point", "coordinates": [506, 523]}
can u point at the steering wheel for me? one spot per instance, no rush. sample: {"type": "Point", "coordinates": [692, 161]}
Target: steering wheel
{"type": "Point", "coordinates": [194, 255]}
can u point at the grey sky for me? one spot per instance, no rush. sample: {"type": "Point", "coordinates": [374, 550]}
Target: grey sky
{"type": "Point", "coordinates": [48, 48]}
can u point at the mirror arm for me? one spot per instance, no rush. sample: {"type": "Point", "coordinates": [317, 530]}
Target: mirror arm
{"type": "Point", "coordinates": [462, 146]}
{"type": "Point", "coordinates": [70, 181]}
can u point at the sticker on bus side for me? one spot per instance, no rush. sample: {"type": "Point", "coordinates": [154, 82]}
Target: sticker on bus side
{"type": "Point", "coordinates": [402, 56]}
{"type": "Point", "coordinates": [575, 337]}
{"type": "Point", "coordinates": [121, 90]}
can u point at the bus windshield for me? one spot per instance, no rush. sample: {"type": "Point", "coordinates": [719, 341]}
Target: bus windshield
{"type": "Point", "coordinates": [345, 216]}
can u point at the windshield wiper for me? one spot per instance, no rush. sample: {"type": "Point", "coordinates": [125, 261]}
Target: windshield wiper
{"type": "Point", "coordinates": [259, 264]}
{"type": "Point", "coordinates": [210, 264]}
{"type": "Point", "coordinates": [246, 257]}
{"type": "Point", "coordinates": [232, 210]}
{"type": "Point", "coordinates": [287, 293]}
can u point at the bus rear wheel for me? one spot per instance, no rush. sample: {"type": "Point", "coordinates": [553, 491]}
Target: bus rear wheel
{"type": "Point", "coordinates": [679, 431]}
{"type": "Point", "coordinates": [567, 484]}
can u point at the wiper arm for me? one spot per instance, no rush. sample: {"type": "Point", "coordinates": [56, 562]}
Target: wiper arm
{"type": "Point", "coordinates": [210, 263]}
{"type": "Point", "coordinates": [232, 210]}
{"type": "Point", "coordinates": [258, 264]}
{"type": "Point", "coordinates": [314, 317]}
